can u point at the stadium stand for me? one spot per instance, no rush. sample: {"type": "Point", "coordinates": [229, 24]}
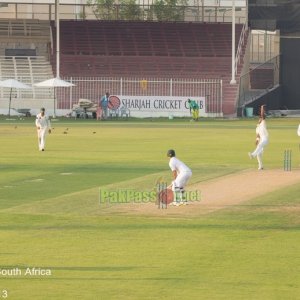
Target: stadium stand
{"type": "Point", "coordinates": [122, 38]}
{"type": "Point", "coordinates": [119, 49]}
{"type": "Point", "coordinates": [20, 39]}
{"type": "Point", "coordinates": [153, 49]}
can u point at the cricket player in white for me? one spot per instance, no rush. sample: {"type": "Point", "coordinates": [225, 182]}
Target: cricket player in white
{"type": "Point", "coordinates": [43, 126]}
{"type": "Point", "coordinates": [181, 175]}
{"type": "Point", "coordinates": [262, 139]}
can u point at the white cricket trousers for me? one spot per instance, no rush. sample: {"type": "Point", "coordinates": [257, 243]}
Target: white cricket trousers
{"type": "Point", "coordinates": [42, 132]}
{"type": "Point", "coordinates": [260, 147]}
{"type": "Point", "coordinates": [181, 180]}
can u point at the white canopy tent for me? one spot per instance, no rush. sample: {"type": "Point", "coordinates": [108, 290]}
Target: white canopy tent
{"type": "Point", "coordinates": [13, 84]}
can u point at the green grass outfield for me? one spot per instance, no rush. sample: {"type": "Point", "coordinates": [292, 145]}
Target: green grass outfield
{"type": "Point", "coordinates": [50, 217]}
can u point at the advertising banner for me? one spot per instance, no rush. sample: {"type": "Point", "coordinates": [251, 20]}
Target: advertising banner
{"type": "Point", "coordinates": [157, 106]}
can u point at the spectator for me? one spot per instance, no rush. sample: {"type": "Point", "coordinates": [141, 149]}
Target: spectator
{"type": "Point", "coordinates": [104, 105]}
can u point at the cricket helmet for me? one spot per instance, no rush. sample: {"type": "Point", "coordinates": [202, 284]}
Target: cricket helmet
{"type": "Point", "coordinates": [171, 153]}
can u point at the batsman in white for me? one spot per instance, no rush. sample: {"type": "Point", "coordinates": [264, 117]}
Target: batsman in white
{"type": "Point", "coordinates": [262, 138]}
{"type": "Point", "coordinates": [43, 127]}
{"type": "Point", "coordinates": [181, 175]}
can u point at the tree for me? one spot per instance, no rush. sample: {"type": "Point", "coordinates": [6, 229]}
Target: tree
{"type": "Point", "coordinates": [162, 10]}
{"type": "Point", "coordinates": [103, 9]}
{"type": "Point", "coordinates": [169, 10]}
{"type": "Point", "coordinates": [129, 10]}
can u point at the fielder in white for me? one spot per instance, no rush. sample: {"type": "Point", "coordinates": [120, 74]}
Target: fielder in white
{"type": "Point", "coordinates": [181, 175]}
{"type": "Point", "coordinates": [262, 139]}
{"type": "Point", "coordinates": [43, 126]}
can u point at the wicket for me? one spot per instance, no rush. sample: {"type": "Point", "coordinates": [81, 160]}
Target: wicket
{"type": "Point", "coordinates": [287, 160]}
{"type": "Point", "coordinates": [162, 198]}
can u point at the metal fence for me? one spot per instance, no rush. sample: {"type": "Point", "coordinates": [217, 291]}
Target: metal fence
{"type": "Point", "coordinates": [194, 12]}
{"type": "Point", "coordinates": [93, 88]}
{"type": "Point", "coordinates": [259, 81]}
{"type": "Point", "coordinates": [264, 46]}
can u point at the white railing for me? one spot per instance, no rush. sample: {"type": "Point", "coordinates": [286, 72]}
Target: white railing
{"type": "Point", "coordinates": [24, 28]}
{"type": "Point", "coordinates": [94, 88]}
{"type": "Point", "coordinates": [239, 50]}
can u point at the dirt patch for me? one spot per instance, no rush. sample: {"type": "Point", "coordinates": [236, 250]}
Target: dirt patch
{"type": "Point", "coordinates": [220, 193]}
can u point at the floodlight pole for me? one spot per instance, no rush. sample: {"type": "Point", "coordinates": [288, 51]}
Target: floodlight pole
{"type": "Point", "coordinates": [57, 39]}
{"type": "Point", "coordinates": [233, 81]}
{"type": "Point", "coordinates": [57, 52]}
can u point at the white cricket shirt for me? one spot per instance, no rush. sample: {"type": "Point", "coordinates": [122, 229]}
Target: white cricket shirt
{"type": "Point", "coordinates": [178, 166]}
{"type": "Point", "coordinates": [42, 121]}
